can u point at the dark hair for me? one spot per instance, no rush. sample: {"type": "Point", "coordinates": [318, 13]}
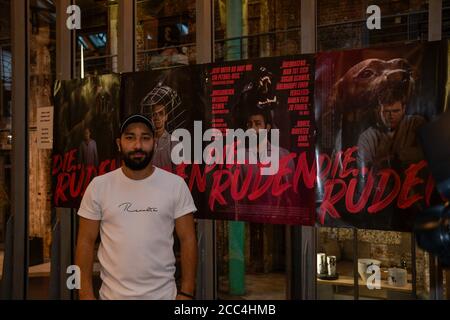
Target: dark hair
{"type": "Point", "coordinates": [262, 112]}
{"type": "Point", "coordinates": [390, 97]}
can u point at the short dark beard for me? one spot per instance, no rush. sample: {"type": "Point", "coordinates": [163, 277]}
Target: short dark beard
{"type": "Point", "coordinates": [137, 165]}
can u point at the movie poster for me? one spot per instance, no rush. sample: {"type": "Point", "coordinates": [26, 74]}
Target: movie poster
{"type": "Point", "coordinates": [174, 99]}
{"type": "Point", "coordinates": [192, 108]}
{"type": "Point", "coordinates": [274, 98]}
{"type": "Point", "coordinates": [86, 119]}
{"type": "Point", "coordinates": [369, 104]}
{"type": "Point", "coordinates": [328, 139]}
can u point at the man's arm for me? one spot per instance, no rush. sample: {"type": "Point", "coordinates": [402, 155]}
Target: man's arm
{"type": "Point", "coordinates": [185, 229]}
{"type": "Point", "coordinates": [84, 258]}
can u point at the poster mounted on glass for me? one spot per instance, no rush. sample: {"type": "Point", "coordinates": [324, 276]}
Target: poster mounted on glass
{"type": "Point", "coordinates": [369, 105]}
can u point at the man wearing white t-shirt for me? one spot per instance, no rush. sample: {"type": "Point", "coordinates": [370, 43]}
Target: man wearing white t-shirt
{"type": "Point", "coordinates": [136, 208]}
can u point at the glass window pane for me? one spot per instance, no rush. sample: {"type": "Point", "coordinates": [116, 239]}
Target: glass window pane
{"type": "Point", "coordinates": [343, 24]}
{"type": "Point", "coordinates": [42, 75]}
{"type": "Point", "coordinates": [392, 253]}
{"type": "Point", "coordinates": [250, 29]}
{"type": "Point", "coordinates": [423, 274]}
{"type": "Point", "coordinates": [165, 33]}
{"type": "Point", "coordinates": [263, 267]}
{"type": "Point", "coordinates": [445, 19]}
{"type": "Point", "coordinates": [337, 245]}
{"type": "Point", "coordinates": [5, 125]}
{"type": "Point", "coordinates": [96, 41]}
{"type": "Point", "coordinates": [381, 255]}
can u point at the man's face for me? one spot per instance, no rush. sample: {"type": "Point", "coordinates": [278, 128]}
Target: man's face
{"type": "Point", "coordinates": [159, 116]}
{"type": "Point", "coordinates": [87, 134]}
{"type": "Point", "coordinates": [136, 146]}
{"type": "Point", "coordinates": [391, 115]}
{"type": "Point", "coordinates": [257, 122]}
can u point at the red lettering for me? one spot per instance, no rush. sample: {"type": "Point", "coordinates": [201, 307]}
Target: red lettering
{"type": "Point", "coordinates": [329, 200]}
{"type": "Point", "coordinates": [71, 159]}
{"type": "Point", "coordinates": [257, 189]}
{"type": "Point", "coordinates": [361, 204]}
{"type": "Point", "coordinates": [61, 187]}
{"type": "Point", "coordinates": [91, 173]}
{"type": "Point", "coordinates": [337, 160]}
{"type": "Point", "coordinates": [181, 171]}
{"type": "Point", "coordinates": [411, 180]}
{"type": "Point", "coordinates": [239, 195]}
{"type": "Point", "coordinates": [378, 203]}
{"type": "Point", "coordinates": [324, 158]}
{"type": "Point", "coordinates": [429, 189]}
{"type": "Point", "coordinates": [196, 176]}
{"type": "Point", "coordinates": [75, 188]}
{"type": "Point", "coordinates": [278, 187]}
{"type": "Point", "coordinates": [57, 164]}
{"type": "Point", "coordinates": [113, 165]}
{"type": "Point", "coordinates": [309, 174]}
{"type": "Point", "coordinates": [218, 188]}
{"type": "Point", "coordinates": [348, 159]}
{"type": "Point", "coordinates": [102, 167]}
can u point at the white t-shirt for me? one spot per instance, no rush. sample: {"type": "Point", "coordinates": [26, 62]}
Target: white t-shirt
{"type": "Point", "coordinates": [137, 223]}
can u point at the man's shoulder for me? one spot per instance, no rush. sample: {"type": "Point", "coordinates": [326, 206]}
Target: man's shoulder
{"type": "Point", "coordinates": [106, 177]}
{"type": "Point", "coordinates": [166, 136]}
{"type": "Point", "coordinates": [412, 122]}
{"type": "Point", "coordinates": [169, 176]}
{"type": "Point", "coordinates": [415, 118]}
{"type": "Point", "coordinates": [369, 132]}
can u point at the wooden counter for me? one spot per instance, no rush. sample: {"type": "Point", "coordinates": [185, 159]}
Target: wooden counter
{"type": "Point", "coordinates": [346, 279]}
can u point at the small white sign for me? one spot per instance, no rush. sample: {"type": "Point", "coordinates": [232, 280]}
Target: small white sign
{"type": "Point", "coordinates": [45, 128]}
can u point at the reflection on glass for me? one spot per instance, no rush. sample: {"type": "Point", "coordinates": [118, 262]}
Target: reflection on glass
{"type": "Point", "coordinates": [42, 52]}
{"type": "Point", "coordinates": [97, 37]}
{"type": "Point", "coordinates": [5, 126]}
{"type": "Point", "coordinates": [165, 33]}
{"type": "Point", "coordinates": [246, 30]}
{"type": "Point", "coordinates": [389, 256]}
{"type": "Point", "coordinates": [384, 263]}
{"type": "Point", "coordinates": [343, 25]}
{"type": "Point", "coordinates": [256, 29]}
{"type": "Point", "coordinates": [335, 281]}
{"type": "Point", "coordinates": [261, 273]}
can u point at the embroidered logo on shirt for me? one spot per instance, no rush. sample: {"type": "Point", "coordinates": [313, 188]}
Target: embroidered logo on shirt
{"type": "Point", "coordinates": [127, 208]}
